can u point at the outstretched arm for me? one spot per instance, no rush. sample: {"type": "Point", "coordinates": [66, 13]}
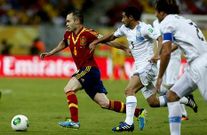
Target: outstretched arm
{"type": "Point", "coordinates": [58, 48]}
{"type": "Point", "coordinates": [119, 46]}
{"type": "Point", "coordinates": [103, 39]}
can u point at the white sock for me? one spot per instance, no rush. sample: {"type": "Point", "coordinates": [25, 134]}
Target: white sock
{"type": "Point", "coordinates": [163, 90]}
{"type": "Point", "coordinates": [184, 100]}
{"type": "Point", "coordinates": [183, 111]}
{"type": "Point", "coordinates": [174, 117]}
{"type": "Point", "coordinates": [131, 103]}
{"type": "Point", "coordinates": [163, 100]}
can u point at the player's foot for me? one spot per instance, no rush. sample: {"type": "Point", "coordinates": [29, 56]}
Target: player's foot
{"type": "Point", "coordinates": [192, 104]}
{"type": "Point", "coordinates": [141, 119]}
{"type": "Point", "coordinates": [123, 126]}
{"type": "Point", "coordinates": [184, 118]}
{"type": "Point", "coordinates": [70, 124]}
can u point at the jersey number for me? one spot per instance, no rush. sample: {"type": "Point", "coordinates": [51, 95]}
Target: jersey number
{"type": "Point", "coordinates": [198, 31]}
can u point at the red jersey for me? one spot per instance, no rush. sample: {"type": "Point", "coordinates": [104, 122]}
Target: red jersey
{"type": "Point", "coordinates": [79, 46]}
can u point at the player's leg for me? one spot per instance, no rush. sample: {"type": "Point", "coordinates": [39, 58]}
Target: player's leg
{"type": "Point", "coordinates": [184, 112]}
{"type": "Point", "coordinates": [133, 86]}
{"type": "Point", "coordinates": [186, 100]}
{"type": "Point", "coordinates": [114, 105]}
{"type": "Point", "coordinates": [182, 87]}
{"type": "Point", "coordinates": [70, 89]}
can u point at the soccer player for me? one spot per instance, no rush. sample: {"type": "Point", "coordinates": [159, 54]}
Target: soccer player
{"type": "Point", "coordinates": [77, 37]}
{"type": "Point", "coordinates": [186, 34]}
{"type": "Point", "coordinates": [140, 37]}
{"type": "Point", "coordinates": [171, 74]}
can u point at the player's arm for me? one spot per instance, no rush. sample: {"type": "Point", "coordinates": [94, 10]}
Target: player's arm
{"type": "Point", "coordinates": [119, 46]}
{"type": "Point", "coordinates": [164, 60]}
{"type": "Point", "coordinates": [157, 50]}
{"type": "Point", "coordinates": [174, 47]}
{"type": "Point", "coordinates": [62, 45]}
{"type": "Point", "coordinates": [104, 39]}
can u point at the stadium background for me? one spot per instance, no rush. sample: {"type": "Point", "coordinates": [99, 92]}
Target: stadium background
{"type": "Point", "coordinates": [25, 24]}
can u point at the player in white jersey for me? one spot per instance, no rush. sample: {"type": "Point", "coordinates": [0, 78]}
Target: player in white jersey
{"type": "Point", "coordinates": [171, 74]}
{"type": "Point", "coordinates": [141, 38]}
{"type": "Point", "coordinates": [185, 33]}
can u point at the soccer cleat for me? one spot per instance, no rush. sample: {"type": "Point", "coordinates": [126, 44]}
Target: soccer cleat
{"type": "Point", "coordinates": [123, 126]}
{"type": "Point", "coordinates": [141, 119]}
{"type": "Point", "coordinates": [184, 118]}
{"type": "Point", "coordinates": [192, 104]}
{"type": "Point", "coordinates": [70, 124]}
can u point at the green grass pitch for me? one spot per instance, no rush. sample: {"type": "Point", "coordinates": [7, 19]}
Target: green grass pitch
{"type": "Point", "coordinates": [44, 103]}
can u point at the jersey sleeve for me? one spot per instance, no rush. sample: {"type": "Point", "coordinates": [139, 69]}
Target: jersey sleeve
{"type": "Point", "coordinates": [167, 28]}
{"type": "Point", "coordinates": [119, 32]}
{"type": "Point", "coordinates": [65, 38]}
{"type": "Point", "coordinates": [92, 35]}
{"type": "Point", "coordinates": [156, 26]}
{"type": "Point", "coordinates": [149, 31]}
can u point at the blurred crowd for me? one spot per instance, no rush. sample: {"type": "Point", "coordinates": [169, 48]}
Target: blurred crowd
{"type": "Point", "coordinates": [32, 12]}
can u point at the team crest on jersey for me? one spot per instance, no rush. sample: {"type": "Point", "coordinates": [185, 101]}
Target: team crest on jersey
{"type": "Point", "coordinates": [83, 40]}
{"type": "Point", "coordinates": [150, 30]}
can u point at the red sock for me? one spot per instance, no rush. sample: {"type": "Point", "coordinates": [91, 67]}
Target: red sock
{"type": "Point", "coordinates": [73, 105]}
{"type": "Point", "coordinates": [116, 106]}
{"type": "Point", "coordinates": [119, 106]}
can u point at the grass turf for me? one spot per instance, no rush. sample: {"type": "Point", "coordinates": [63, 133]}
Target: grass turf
{"type": "Point", "coordinates": [44, 103]}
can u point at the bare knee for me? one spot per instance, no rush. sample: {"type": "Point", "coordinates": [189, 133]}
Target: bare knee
{"type": "Point", "coordinates": [172, 96]}
{"type": "Point", "coordinates": [129, 92]}
{"type": "Point", "coordinates": [153, 101]}
{"type": "Point", "coordinates": [104, 104]}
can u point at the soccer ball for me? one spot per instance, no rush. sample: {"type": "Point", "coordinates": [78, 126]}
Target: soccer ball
{"type": "Point", "coordinates": [19, 122]}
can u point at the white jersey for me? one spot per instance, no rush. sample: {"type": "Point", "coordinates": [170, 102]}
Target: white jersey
{"type": "Point", "coordinates": [140, 40]}
{"type": "Point", "coordinates": [189, 37]}
{"type": "Point", "coordinates": [185, 34]}
{"type": "Point", "coordinates": [175, 54]}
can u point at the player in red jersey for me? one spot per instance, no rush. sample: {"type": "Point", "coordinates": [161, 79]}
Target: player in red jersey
{"type": "Point", "coordinates": [77, 37]}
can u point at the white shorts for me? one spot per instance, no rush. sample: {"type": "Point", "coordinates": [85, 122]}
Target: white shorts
{"type": "Point", "coordinates": [147, 77]}
{"type": "Point", "coordinates": [185, 85]}
{"type": "Point", "coordinates": [194, 77]}
{"type": "Point", "coordinates": [173, 68]}
{"type": "Point", "coordinates": [171, 74]}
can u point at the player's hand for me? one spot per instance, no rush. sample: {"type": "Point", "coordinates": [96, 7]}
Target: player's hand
{"type": "Point", "coordinates": [92, 46]}
{"type": "Point", "coordinates": [158, 85]}
{"type": "Point", "coordinates": [45, 54]}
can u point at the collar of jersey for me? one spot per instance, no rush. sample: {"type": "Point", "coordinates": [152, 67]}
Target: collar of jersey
{"type": "Point", "coordinates": [77, 37]}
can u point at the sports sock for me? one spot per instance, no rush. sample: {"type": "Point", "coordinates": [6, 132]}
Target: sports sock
{"type": "Point", "coordinates": [174, 117]}
{"type": "Point", "coordinates": [183, 111]}
{"type": "Point", "coordinates": [131, 103]}
{"type": "Point", "coordinates": [119, 106]}
{"type": "Point", "coordinates": [163, 100]}
{"type": "Point", "coordinates": [73, 105]}
{"type": "Point", "coordinates": [184, 100]}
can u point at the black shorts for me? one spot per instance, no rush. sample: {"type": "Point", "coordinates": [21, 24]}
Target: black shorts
{"type": "Point", "coordinates": [90, 79]}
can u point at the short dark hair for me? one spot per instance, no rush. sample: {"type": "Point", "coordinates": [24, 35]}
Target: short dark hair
{"type": "Point", "coordinates": [78, 14]}
{"type": "Point", "coordinates": [167, 6]}
{"type": "Point", "coordinates": [133, 11]}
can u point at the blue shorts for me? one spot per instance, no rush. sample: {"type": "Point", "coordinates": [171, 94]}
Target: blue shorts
{"type": "Point", "coordinates": [90, 79]}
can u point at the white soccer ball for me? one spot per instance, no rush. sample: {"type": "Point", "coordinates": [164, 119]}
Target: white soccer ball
{"type": "Point", "coordinates": [19, 122]}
